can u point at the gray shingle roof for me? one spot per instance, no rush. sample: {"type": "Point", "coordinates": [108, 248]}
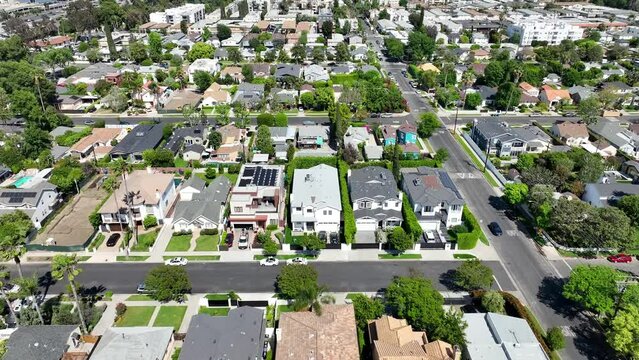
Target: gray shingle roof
{"type": "Point", "coordinates": [195, 182]}
{"type": "Point", "coordinates": [431, 187]}
{"type": "Point", "coordinates": [140, 343]}
{"type": "Point", "coordinates": [208, 203]}
{"type": "Point", "coordinates": [282, 70]}
{"type": "Point", "coordinates": [372, 182]}
{"type": "Point", "coordinates": [239, 335]}
{"type": "Point", "coordinates": [41, 342]}
{"type": "Point", "coordinates": [141, 137]}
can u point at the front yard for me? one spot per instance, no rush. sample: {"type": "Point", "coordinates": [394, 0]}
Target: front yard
{"type": "Point", "coordinates": [136, 316]}
{"type": "Point", "coordinates": [206, 243]}
{"type": "Point", "coordinates": [180, 243]}
{"type": "Point", "coordinates": [170, 316]}
{"type": "Point", "coordinates": [146, 240]}
{"type": "Point", "coordinates": [214, 311]}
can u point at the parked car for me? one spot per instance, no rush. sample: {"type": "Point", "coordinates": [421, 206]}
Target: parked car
{"type": "Point", "coordinates": [570, 114]}
{"type": "Point", "coordinates": [112, 240]}
{"type": "Point", "coordinates": [242, 242]}
{"type": "Point", "coordinates": [176, 261]}
{"type": "Point", "coordinates": [334, 238]}
{"type": "Point", "coordinates": [229, 240]}
{"type": "Point", "coordinates": [142, 289]}
{"type": "Point", "coordinates": [387, 115]}
{"type": "Point", "coordinates": [11, 288]}
{"type": "Point", "coordinates": [322, 235]}
{"type": "Point", "coordinates": [20, 123]}
{"type": "Point", "coordinates": [375, 115]}
{"type": "Point", "coordinates": [269, 261]}
{"type": "Point", "coordinates": [297, 261]}
{"type": "Point", "coordinates": [308, 122]}
{"type": "Point", "coordinates": [620, 258]}
{"type": "Point", "coordinates": [495, 114]}
{"type": "Point", "coordinates": [495, 229]}
{"type": "Point", "coordinates": [89, 122]}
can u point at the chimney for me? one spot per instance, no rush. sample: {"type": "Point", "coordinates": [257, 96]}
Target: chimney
{"type": "Point", "coordinates": [157, 194]}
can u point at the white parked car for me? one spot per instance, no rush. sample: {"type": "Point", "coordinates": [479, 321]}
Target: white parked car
{"type": "Point", "coordinates": [242, 243]}
{"type": "Point", "coordinates": [11, 288]}
{"type": "Point", "coordinates": [176, 261]}
{"type": "Point", "coordinates": [297, 261]}
{"type": "Point", "coordinates": [18, 304]}
{"type": "Point", "coordinates": [269, 261]}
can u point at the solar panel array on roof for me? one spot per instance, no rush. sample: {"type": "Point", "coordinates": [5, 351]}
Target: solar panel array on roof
{"type": "Point", "coordinates": [18, 197]}
{"type": "Point", "coordinates": [259, 176]}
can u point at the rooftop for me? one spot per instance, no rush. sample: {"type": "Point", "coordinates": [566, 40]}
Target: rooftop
{"type": "Point", "coordinates": [317, 187]}
{"type": "Point", "coordinates": [140, 343]}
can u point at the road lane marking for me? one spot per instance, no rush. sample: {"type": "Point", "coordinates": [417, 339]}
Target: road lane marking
{"type": "Point", "coordinates": [497, 282]}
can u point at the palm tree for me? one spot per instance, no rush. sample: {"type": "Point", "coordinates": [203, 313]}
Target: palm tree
{"type": "Point", "coordinates": [29, 287]}
{"type": "Point", "coordinates": [67, 266]}
{"type": "Point", "coordinates": [4, 280]}
{"type": "Point", "coordinates": [12, 248]}
{"type": "Point", "coordinates": [312, 298]}
{"type": "Point", "coordinates": [123, 168]}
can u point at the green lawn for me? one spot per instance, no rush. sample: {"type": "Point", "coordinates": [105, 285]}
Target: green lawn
{"type": "Point", "coordinates": [139, 297]}
{"type": "Point", "coordinates": [206, 243]}
{"type": "Point", "coordinates": [286, 257]}
{"type": "Point", "coordinates": [145, 241]}
{"type": "Point", "coordinates": [179, 243]}
{"type": "Point", "coordinates": [217, 311]}
{"type": "Point", "coordinates": [476, 161]}
{"type": "Point", "coordinates": [283, 309]}
{"type": "Point", "coordinates": [176, 353]}
{"type": "Point", "coordinates": [179, 162]}
{"type": "Point", "coordinates": [464, 256]}
{"type": "Point", "coordinates": [170, 316]}
{"type": "Point", "coordinates": [131, 258]}
{"type": "Point", "coordinates": [97, 241]}
{"type": "Point", "coordinates": [136, 316]}
{"type": "Point", "coordinates": [399, 257]}
{"type": "Point", "coordinates": [197, 257]}
{"type": "Point", "coordinates": [231, 177]}
{"type": "Point", "coordinates": [352, 295]}
{"type": "Point", "coordinates": [217, 296]}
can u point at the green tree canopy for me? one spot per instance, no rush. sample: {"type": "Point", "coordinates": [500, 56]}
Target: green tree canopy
{"type": "Point", "coordinates": [515, 193]}
{"type": "Point", "coordinates": [200, 50]}
{"type": "Point", "coordinates": [593, 287]}
{"type": "Point", "coordinates": [294, 279]}
{"type": "Point", "coordinates": [166, 283]}
{"type": "Point", "coordinates": [473, 275]}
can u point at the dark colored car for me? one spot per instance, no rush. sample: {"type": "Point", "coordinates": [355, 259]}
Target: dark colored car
{"type": "Point", "coordinates": [112, 240]}
{"type": "Point", "coordinates": [322, 235]}
{"type": "Point", "coordinates": [334, 238]}
{"type": "Point", "coordinates": [620, 258]}
{"type": "Point", "coordinates": [495, 229]}
{"type": "Point", "coordinates": [229, 240]}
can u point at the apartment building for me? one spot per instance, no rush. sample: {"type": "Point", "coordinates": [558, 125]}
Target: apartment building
{"type": "Point", "coordinates": [553, 31]}
{"type": "Point", "coordinates": [191, 13]}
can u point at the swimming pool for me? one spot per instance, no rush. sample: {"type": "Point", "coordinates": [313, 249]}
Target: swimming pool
{"type": "Point", "coordinates": [21, 181]}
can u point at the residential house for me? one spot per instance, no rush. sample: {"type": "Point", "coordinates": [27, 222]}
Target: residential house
{"type": "Point", "coordinates": [433, 196]}
{"type": "Point", "coordinates": [552, 78]}
{"type": "Point", "coordinates": [187, 136]}
{"type": "Point", "coordinates": [631, 169]}
{"type": "Point", "coordinates": [389, 135]}
{"type": "Point", "coordinates": [312, 137]}
{"type": "Point", "coordinates": [502, 140]}
{"type": "Point", "coordinates": [214, 96]}
{"type": "Point", "coordinates": [355, 136]}
{"type": "Point", "coordinates": [622, 90]}
{"type": "Point", "coordinates": [599, 146]}
{"type": "Point", "coordinates": [373, 152]}
{"type": "Point", "coordinates": [44, 342]}
{"type": "Point", "coordinates": [210, 66]}
{"type": "Point", "coordinates": [154, 193]}
{"type": "Point", "coordinates": [553, 97]}
{"type": "Point", "coordinates": [428, 67]}
{"type": "Point", "coordinates": [234, 72]}
{"type": "Point", "coordinates": [249, 95]}
{"type": "Point", "coordinates": [579, 93]}
{"type": "Point", "coordinates": [313, 73]}
{"type": "Point", "coordinates": [282, 138]}
{"type": "Point", "coordinates": [231, 134]}
{"type": "Point", "coordinates": [315, 200]}
{"type": "Point", "coordinates": [221, 54]}
{"type": "Point", "coordinates": [410, 151]}
{"type": "Point", "coordinates": [97, 144]}
{"type": "Point", "coordinates": [238, 335]}
{"type": "Point", "coordinates": [193, 152]}
{"type": "Point", "coordinates": [395, 339]}
{"type": "Point", "coordinates": [376, 201]}
{"type": "Point", "coordinates": [355, 40]}
{"type": "Point", "coordinates": [37, 201]}
{"type": "Point", "coordinates": [205, 209]}
{"type": "Point", "coordinates": [608, 192]}
{"type": "Point", "coordinates": [359, 53]}
{"type": "Point", "coordinates": [331, 335]}
{"type": "Point", "coordinates": [258, 197]}
{"type": "Point", "coordinates": [573, 134]}
{"type": "Point", "coordinates": [261, 70]}
{"type": "Point", "coordinates": [287, 70]}
{"type": "Point", "coordinates": [478, 68]}
{"type": "Point", "coordinates": [487, 94]}
{"type": "Point", "coordinates": [496, 336]}
{"type": "Point", "coordinates": [621, 138]}
{"type": "Point", "coordinates": [191, 187]}
{"type": "Point", "coordinates": [141, 137]}
{"type": "Point", "coordinates": [94, 73]}
{"type": "Point", "coordinates": [407, 134]}
{"type": "Point", "coordinates": [528, 89]}
{"type": "Point", "coordinates": [228, 153]}
{"type": "Point", "coordinates": [285, 97]}
{"type": "Point", "coordinates": [480, 55]}
{"type": "Point", "coordinates": [176, 100]}
{"type": "Point", "coordinates": [140, 343]}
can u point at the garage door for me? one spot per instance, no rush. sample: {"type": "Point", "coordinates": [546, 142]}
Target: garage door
{"type": "Point", "coordinates": [366, 225]}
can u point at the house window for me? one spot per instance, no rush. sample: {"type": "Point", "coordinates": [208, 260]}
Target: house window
{"type": "Point", "coordinates": [273, 222]}
{"type": "Point", "coordinates": [518, 144]}
{"type": "Point", "coordinates": [309, 211]}
{"type": "Point", "coordinates": [298, 209]}
{"type": "Point", "coordinates": [427, 209]}
{"type": "Point", "coordinates": [325, 212]}
{"type": "Point", "coordinates": [365, 204]}
{"type": "Point", "coordinates": [237, 209]}
{"type": "Point", "coordinates": [330, 212]}
{"type": "Point", "coordinates": [455, 207]}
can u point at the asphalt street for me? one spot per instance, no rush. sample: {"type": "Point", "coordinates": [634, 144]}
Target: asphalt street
{"type": "Point", "coordinates": [250, 277]}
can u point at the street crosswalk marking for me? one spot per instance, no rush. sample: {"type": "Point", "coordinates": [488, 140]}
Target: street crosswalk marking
{"type": "Point", "coordinates": [462, 175]}
{"type": "Point", "coordinates": [511, 232]}
{"type": "Point", "coordinates": [567, 331]}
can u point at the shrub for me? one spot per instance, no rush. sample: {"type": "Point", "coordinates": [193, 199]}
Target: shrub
{"type": "Point", "coordinates": [555, 338]}
{"type": "Point", "coordinates": [459, 229]}
{"type": "Point", "coordinates": [410, 224]}
{"type": "Point", "coordinates": [271, 227]}
{"type": "Point", "coordinates": [183, 232]}
{"type": "Point", "coordinates": [150, 221]}
{"type": "Point", "coordinates": [347, 209]}
{"type": "Point", "coordinates": [120, 309]}
{"type": "Point", "coordinates": [265, 119]}
{"type": "Point", "coordinates": [234, 169]}
{"type": "Point", "coordinates": [209, 231]}
{"type": "Point", "coordinates": [95, 219]}
{"type": "Point", "coordinates": [108, 294]}
{"type": "Point", "coordinates": [210, 173]}
{"type": "Point", "coordinates": [270, 248]}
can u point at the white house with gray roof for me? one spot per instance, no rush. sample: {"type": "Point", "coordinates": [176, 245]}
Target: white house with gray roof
{"type": "Point", "coordinates": [38, 201]}
{"type": "Point", "coordinates": [315, 200]}
{"type": "Point", "coordinates": [620, 137]}
{"type": "Point", "coordinates": [377, 203]}
{"type": "Point", "coordinates": [502, 140]}
{"type": "Point", "coordinates": [140, 343]}
{"type": "Point", "coordinates": [205, 209]}
{"type": "Point", "coordinates": [433, 196]}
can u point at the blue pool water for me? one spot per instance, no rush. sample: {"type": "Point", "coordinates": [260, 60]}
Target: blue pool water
{"type": "Point", "coordinates": [21, 181]}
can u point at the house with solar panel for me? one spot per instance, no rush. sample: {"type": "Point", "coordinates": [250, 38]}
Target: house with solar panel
{"type": "Point", "coordinates": [258, 197]}
{"type": "Point", "coordinates": [433, 196]}
{"type": "Point", "coordinates": [315, 200]}
{"type": "Point", "coordinates": [38, 201]}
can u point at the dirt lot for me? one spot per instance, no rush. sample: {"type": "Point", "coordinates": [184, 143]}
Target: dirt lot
{"type": "Point", "coordinates": [71, 226]}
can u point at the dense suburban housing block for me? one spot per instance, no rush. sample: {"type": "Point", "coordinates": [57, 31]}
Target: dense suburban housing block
{"type": "Point", "coordinates": [315, 200]}
{"type": "Point", "coordinates": [377, 203]}
{"type": "Point", "coordinates": [141, 137]}
{"type": "Point", "coordinates": [257, 199]}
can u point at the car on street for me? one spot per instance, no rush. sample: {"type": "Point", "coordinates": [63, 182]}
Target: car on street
{"type": "Point", "coordinates": [570, 114]}
{"type": "Point", "coordinates": [375, 115]}
{"type": "Point", "coordinates": [308, 122]}
{"type": "Point", "coordinates": [495, 229]}
{"type": "Point", "coordinates": [297, 261]}
{"type": "Point", "coordinates": [620, 258]}
{"type": "Point", "coordinates": [322, 235]}
{"type": "Point", "coordinates": [142, 289]}
{"type": "Point", "coordinates": [176, 261]}
{"type": "Point", "coordinates": [495, 114]}
{"type": "Point", "coordinates": [387, 115]}
{"type": "Point", "coordinates": [89, 122]}
{"type": "Point", "coordinates": [269, 261]}
{"type": "Point", "coordinates": [334, 238]}
{"type": "Point", "coordinates": [242, 242]}
{"type": "Point", "coordinates": [11, 288]}
{"type": "Point", "coordinates": [19, 123]}
{"type": "Point", "coordinates": [112, 240]}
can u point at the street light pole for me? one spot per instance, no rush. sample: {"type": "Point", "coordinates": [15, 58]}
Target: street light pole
{"type": "Point", "coordinates": [487, 153]}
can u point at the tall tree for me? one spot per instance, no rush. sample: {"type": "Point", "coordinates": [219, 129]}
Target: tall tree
{"type": "Point", "coordinates": [263, 140]}
{"type": "Point", "coordinates": [4, 281]}
{"type": "Point", "coordinates": [155, 46]}
{"type": "Point", "coordinates": [82, 15]}
{"type": "Point", "coordinates": [67, 266]}
{"type": "Point", "coordinates": [589, 110]}
{"type": "Point", "coordinates": [593, 287]}
{"type": "Point", "coordinates": [110, 16]}
{"type": "Point", "coordinates": [29, 288]}
{"type": "Point", "coordinates": [14, 228]}
{"type": "Point", "coordinates": [623, 334]}
{"type": "Point", "coordinates": [223, 32]}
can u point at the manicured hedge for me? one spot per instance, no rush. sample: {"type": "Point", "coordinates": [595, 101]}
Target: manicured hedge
{"type": "Point", "coordinates": [417, 163]}
{"type": "Point", "coordinates": [381, 163]}
{"type": "Point", "coordinates": [467, 241]}
{"type": "Point", "coordinates": [410, 224]}
{"type": "Point", "coordinates": [347, 209]}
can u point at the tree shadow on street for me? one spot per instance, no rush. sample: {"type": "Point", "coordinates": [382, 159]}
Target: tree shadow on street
{"type": "Point", "coordinates": [448, 280]}
{"type": "Point", "coordinates": [498, 203]}
{"type": "Point", "coordinates": [590, 340]}
{"type": "Point", "coordinates": [550, 294]}
{"type": "Point", "coordinates": [46, 281]}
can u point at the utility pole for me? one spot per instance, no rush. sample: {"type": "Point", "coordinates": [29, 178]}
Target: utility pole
{"type": "Point", "coordinates": [487, 153]}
